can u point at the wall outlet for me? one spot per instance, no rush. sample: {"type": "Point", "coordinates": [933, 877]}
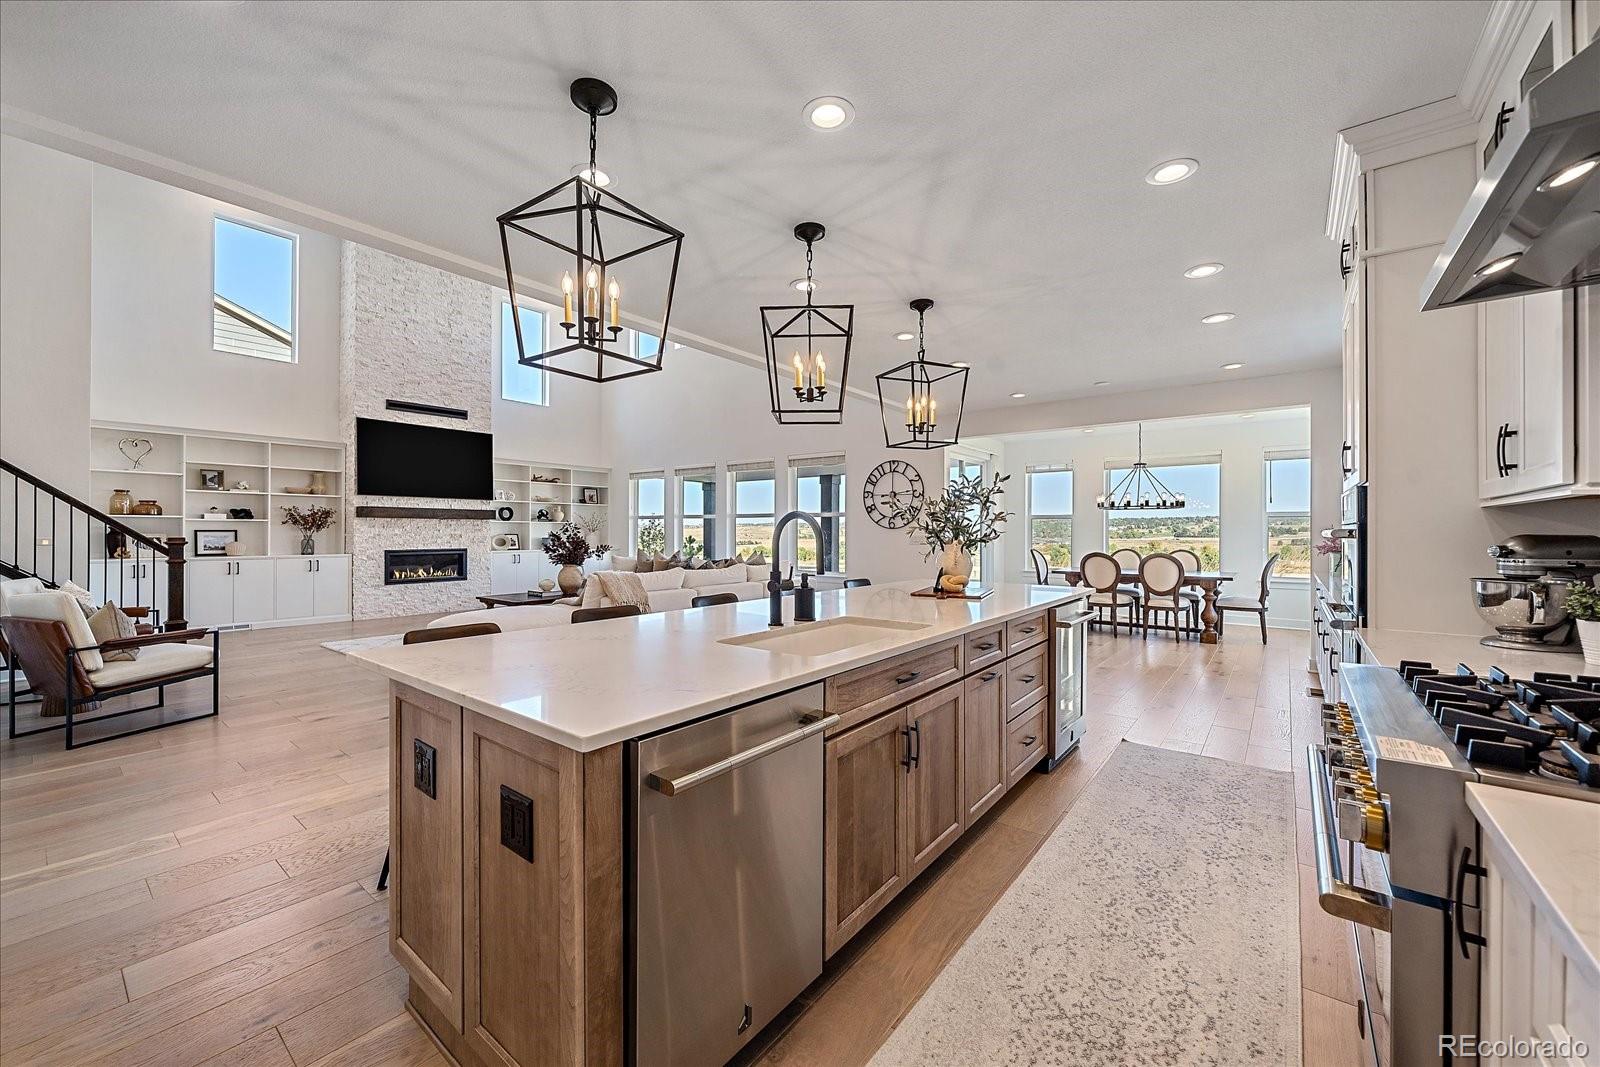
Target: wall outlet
{"type": "Point", "coordinates": [425, 767]}
{"type": "Point", "coordinates": [516, 822]}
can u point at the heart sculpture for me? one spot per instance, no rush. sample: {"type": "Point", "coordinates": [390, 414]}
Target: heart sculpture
{"type": "Point", "coordinates": [134, 449]}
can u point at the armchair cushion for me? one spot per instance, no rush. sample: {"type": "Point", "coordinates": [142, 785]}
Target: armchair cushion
{"type": "Point", "coordinates": [157, 661]}
{"type": "Point", "coordinates": [10, 587]}
{"type": "Point", "coordinates": [108, 624]}
{"type": "Point", "coordinates": [52, 605]}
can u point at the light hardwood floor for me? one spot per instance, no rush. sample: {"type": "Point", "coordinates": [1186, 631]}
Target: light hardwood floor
{"type": "Point", "coordinates": [207, 894]}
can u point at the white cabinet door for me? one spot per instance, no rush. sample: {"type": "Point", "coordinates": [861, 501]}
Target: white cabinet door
{"type": "Point", "coordinates": [1499, 395]}
{"type": "Point", "coordinates": [292, 587]}
{"type": "Point", "coordinates": [330, 576]}
{"type": "Point", "coordinates": [1352, 458]}
{"type": "Point", "coordinates": [210, 594]}
{"type": "Point", "coordinates": [1544, 448]}
{"type": "Point", "coordinates": [502, 572]}
{"type": "Point", "coordinates": [252, 590]}
{"type": "Point", "coordinates": [130, 583]}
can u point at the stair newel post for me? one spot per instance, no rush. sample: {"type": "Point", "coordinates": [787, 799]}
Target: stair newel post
{"type": "Point", "coordinates": [175, 563]}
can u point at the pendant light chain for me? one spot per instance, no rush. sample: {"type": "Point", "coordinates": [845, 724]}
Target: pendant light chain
{"type": "Point", "coordinates": [922, 349]}
{"type": "Point", "coordinates": [810, 286]}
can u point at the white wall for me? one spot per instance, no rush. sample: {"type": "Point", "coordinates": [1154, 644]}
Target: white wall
{"type": "Point", "coordinates": [150, 343]}
{"type": "Point", "coordinates": [1241, 443]}
{"type": "Point", "coordinates": [704, 410]}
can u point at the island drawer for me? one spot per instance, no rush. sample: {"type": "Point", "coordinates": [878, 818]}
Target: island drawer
{"type": "Point", "coordinates": [985, 647]}
{"type": "Point", "coordinates": [1025, 632]}
{"type": "Point", "coordinates": [1027, 678]}
{"type": "Point", "coordinates": [856, 696]}
{"type": "Point", "coordinates": [1024, 743]}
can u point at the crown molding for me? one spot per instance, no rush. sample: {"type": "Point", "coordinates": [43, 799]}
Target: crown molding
{"type": "Point", "coordinates": [1506, 21]}
{"type": "Point", "coordinates": [1410, 134]}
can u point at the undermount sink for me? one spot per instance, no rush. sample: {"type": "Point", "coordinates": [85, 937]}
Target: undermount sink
{"type": "Point", "coordinates": [829, 635]}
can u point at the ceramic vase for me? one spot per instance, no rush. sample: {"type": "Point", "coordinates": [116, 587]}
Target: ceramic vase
{"type": "Point", "coordinates": [954, 559]}
{"type": "Point", "coordinates": [570, 578]}
{"type": "Point", "coordinates": [558, 515]}
{"type": "Point", "coordinates": [1589, 637]}
{"type": "Point", "coordinates": [146, 507]}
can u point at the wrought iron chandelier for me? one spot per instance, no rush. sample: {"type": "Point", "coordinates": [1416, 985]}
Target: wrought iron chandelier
{"type": "Point", "coordinates": [922, 381]}
{"type": "Point", "coordinates": [596, 230]}
{"type": "Point", "coordinates": [1140, 489]}
{"type": "Point", "coordinates": [808, 350]}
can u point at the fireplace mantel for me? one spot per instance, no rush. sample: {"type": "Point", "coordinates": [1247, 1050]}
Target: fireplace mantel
{"type": "Point", "coordinates": [369, 511]}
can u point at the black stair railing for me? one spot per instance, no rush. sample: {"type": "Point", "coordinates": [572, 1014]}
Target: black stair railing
{"type": "Point", "coordinates": [51, 535]}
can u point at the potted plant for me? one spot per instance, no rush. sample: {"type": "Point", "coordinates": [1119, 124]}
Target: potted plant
{"type": "Point", "coordinates": [1583, 604]}
{"type": "Point", "coordinates": [963, 520]}
{"type": "Point", "coordinates": [568, 547]}
{"type": "Point", "coordinates": [310, 522]}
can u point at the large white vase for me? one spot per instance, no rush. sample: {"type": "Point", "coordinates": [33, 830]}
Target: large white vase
{"type": "Point", "coordinates": [954, 559]}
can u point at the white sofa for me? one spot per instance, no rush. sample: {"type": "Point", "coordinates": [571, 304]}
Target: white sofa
{"type": "Point", "coordinates": [669, 590]}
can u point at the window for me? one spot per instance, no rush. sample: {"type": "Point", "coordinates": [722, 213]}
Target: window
{"type": "Point", "coordinates": [647, 514]}
{"type": "Point", "coordinates": [518, 381]}
{"type": "Point", "coordinates": [754, 497]}
{"type": "Point", "coordinates": [968, 467]}
{"type": "Point", "coordinates": [1050, 514]}
{"type": "Point", "coordinates": [646, 346]}
{"type": "Point", "coordinates": [252, 291]}
{"type": "Point", "coordinates": [819, 488]}
{"type": "Point", "coordinates": [697, 510]}
{"type": "Point", "coordinates": [1197, 526]}
{"type": "Point", "coordinates": [1289, 512]}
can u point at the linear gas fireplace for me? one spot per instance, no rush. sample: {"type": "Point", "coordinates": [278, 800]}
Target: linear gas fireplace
{"type": "Point", "coordinates": [424, 565]}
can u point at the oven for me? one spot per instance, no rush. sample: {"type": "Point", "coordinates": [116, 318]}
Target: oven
{"type": "Point", "coordinates": [1347, 573]}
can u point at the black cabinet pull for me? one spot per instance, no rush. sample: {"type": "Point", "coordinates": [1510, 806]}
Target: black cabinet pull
{"type": "Point", "coordinates": [986, 646]}
{"type": "Point", "coordinates": [905, 761]}
{"type": "Point", "coordinates": [1030, 739]}
{"type": "Point", "coordinates": [916, 754]}
{"type": "Point", "coordinates": [1505, 442]}
{"type": "Point", "coordinates": [1464, 867]}
{"type": "Point", "coordinates": [909, 676]}
{"type": "Point", "coordinates": [1026, 630]}
{"type": "Point", "coordinates": [989, 677]}
{"type": "Point", "coordinates": [1027, 679]}
{"type": "Point", "coordinates": [1345, 450]}
{"type": "Point", "coordinates": [1499, 450]}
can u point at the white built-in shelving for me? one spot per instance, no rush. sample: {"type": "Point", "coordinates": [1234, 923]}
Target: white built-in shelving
{"type": "Point", "coordinates": [537, 493]}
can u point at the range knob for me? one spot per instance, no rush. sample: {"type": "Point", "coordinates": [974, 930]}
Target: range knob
{"type": "Point", "coordinates": [1365, 822]}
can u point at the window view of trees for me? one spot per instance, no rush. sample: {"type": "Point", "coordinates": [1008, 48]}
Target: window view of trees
{"type": "Point", "coordinates": [820, 490]}
{"type": "Point", "coordinates": [648, 509]}
{"type": "Point", "coordinates": [754, 496]}
{"type": "Point", "coordinates": [1050, 515]}
{"type": "Point", "coordinates": [1289, 514]}
{"type": "Point", "coordinates": [1197, 527]}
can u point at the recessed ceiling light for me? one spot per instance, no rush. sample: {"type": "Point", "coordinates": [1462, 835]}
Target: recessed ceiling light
{"type": "Point", "coordinates": [1221, 316]}
{"type": "Point", "coordinates": [1203, 270]}
{"type": "Point", "coordinates": [1570, 174]}
{"type": "Point", "coordinates": [1496, 266]}
{"type": "Point", "coordinates": [959, 363]}
{"type": "Point", "coordinates": [1248, 415]}
{"type": "Point", "coordinates": [599, 179]}
{"type": "Point", "coordinates": [1089, 429]}
{"type": "Point", "coordinates": [1232, 366]}
{"type": "Point", "coordinates": [829, 113]}
{"type": "Point", "coordinates": [905, 336]}
{"type": "Point", "coordinates": [1173, 170]}
{"type": "Point", "coordinates": [1102, 383]}
{"type": "Point", "coordinates": [1018, 396]}
{"type": "Point", "coordinates": [801, 285]}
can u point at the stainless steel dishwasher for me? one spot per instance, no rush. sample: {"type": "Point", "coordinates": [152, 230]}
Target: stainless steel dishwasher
{"type": "Point", "coordinates": [724, 916]}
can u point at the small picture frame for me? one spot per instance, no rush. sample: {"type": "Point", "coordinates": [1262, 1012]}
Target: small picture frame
{"type": "Point", "coordinates": [591, 495]}
{"type": "Point", "coordinates": [210, 479]}
{"type": "Point", "coordinates": [214, 542]}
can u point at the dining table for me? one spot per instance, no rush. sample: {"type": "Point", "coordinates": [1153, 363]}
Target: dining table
{"type": "Point", "coordinates": [1208, 582]}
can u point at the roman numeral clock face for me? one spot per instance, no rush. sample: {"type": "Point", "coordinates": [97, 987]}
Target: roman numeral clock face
{"type": "Point", "coordinates": [893, 494]}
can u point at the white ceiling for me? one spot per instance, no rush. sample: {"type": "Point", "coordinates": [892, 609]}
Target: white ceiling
{"type": "Point", "coordinates": [996, 161]}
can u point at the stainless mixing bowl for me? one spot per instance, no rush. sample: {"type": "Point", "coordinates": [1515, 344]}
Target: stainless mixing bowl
{"type": "Point", "coordinates": [1523, 609]}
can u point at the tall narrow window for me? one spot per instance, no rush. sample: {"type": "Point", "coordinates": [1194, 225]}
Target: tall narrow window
{"type": "Point", "coordinates": [647, 513]}
{"type": "Point", "coordinates": [754, 510]}
{"type": "Point", "coordinates": [697, 512]}
{"type": "Point", "coordinates": [1289, 511]}
{"type": "Point", "coordinates": [959, 466]}
{"type": "Point", "coordinates": [1197, 526]}
{"type": "Point", "coordinates": [519, 382]}
{"type": "Point", "coordinates": [252, 297]}
{"type": "Point", "coordinates": [1050, 513]}
{"type": "Point", "coordinates": [819, 488]}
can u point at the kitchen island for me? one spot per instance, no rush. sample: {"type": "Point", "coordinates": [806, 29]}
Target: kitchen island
{"type": "Point", "coordinates": [522, 800]}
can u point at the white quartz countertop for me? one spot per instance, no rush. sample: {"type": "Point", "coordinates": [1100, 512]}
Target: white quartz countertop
{"type": "Point", "coordinates": [1553, 845]}
{"type": "Point", "coordinates": [591, 685]}
{"type": "Point", "coordinates": [1389, 647]}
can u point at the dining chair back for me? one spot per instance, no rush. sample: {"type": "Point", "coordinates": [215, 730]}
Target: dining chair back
{"type": "Point", "coordinates": [1041, 566]}
{"type": "Point", "coordinates": [1190, 561]}
{"type": "Point", "coordinates": [447, 633]}
{"type": "Point", "coordinates": [615, 611]}
{"type": "Point", "coordinates": [1100, 571]}
{"type": "Point", "coordinates": [1161, 574]}
{"type": "Point", "coordinates": [711, 600]}
{"type": "Point", "coordinates": [1103, 574]}
{"type": "Point", "coordinates": [1127, 558]}
{"type": "Point", "coordinates": [1257, 605]}
{"type": "Point", "coordinates": [1266, 575]}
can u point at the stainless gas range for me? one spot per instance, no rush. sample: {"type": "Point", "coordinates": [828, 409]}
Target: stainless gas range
{"type": "Point", "coordinates": [1396, 844]}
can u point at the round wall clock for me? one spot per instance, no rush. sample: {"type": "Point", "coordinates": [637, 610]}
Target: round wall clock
{"type": "Point", "coordinates": [893, 494]}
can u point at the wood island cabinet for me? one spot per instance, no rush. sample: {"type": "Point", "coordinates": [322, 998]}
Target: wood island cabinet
{"type": "Point", "coordinates": [934, 797]}
{"type": "Point", "coordinates": [864, 837]}
{"type": "Point", "coordinates": [983, 717]}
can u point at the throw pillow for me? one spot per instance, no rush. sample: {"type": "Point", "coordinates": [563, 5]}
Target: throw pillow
{"type": "Point", "coordinates": [758, 560]}
{"type": "Point", "coordinates": [84, 598]}
{"type": "Point", "coordinates": [674, 560]}
{"type": "Point", "coordinates": [624, 563]}
{"type": "Point", "coordinates": [623, 588]}
{"type": "Point", "coordinates": [108, 624]}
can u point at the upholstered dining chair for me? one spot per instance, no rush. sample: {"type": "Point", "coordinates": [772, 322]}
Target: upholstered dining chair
{"type": "Point", "coordinates": [1041, 566]}
{"type": "Point", "coordinates": [1103, 574]}
{"type": "Point", "coordinates": [615, 611]}
{"type": "Point", "coordinates": [1161, 574]}
{"type": "Point", "coordinates": [711, 600]}
{"type": "Point", "coordinates": [1191, 563]}
{"type": "Point", "coordinates": [1128, 560]}
{"type": "Point", "coordinates": [1258, 605]}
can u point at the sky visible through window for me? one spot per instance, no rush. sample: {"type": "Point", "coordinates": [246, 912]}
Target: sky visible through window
{"type": "Point", "coordinates": [518, 381]}
{"type": "Point", "coordinates": [1290, 485]}
{"type": "Point", "coordinates": [255, 270]}
{"type": "Point", "coordinates": [652, 496]}
{"type": "Point", "coordinates": [755, 497]}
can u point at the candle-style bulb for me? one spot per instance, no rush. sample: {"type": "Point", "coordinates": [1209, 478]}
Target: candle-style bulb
{"type": "Point", "coordinates": [615, 292]}
{"type": "Point", "coordinates": [822, 371]}
{"type": "Point", "coordinates": [566, 282]}
{"type": "Point", "coordinates": [566, 297]}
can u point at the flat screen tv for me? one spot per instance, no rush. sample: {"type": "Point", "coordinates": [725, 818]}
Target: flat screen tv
{"type": "Point", "coordinates": [398, 459]}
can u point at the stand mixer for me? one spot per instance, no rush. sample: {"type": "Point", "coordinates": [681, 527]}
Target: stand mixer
{"type": "Point", "coordinates": [1526, 604]}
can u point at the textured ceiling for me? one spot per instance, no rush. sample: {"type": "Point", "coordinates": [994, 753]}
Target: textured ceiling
{"type": "Point", "coordinates": [996, 161]}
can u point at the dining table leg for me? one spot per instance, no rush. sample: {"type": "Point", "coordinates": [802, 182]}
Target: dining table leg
{"type": "Point", "coordinates": [1208, 613]}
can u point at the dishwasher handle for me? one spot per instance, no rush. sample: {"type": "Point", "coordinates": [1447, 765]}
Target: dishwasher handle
{"type": "Point", "coordinates": [671, 781]}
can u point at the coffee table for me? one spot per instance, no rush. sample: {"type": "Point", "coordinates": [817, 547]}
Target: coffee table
{"type": "Point", "coordinates": [517, 600]}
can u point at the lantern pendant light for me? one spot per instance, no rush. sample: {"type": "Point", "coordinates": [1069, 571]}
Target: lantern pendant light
{"type": "Point", "coordinates": [934, 394]}
{"type": "Point", "coordinates": [1140, 489]}
{"type": "Point", "coordinates": [595, 231]}
{"type": "Point", "coordinates": [808, 350]}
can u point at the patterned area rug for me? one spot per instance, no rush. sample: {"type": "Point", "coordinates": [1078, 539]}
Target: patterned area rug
{"type": "Point", "coordinates": [355, 643]}
{"type": "Point", "coordinates": [1157, 925]}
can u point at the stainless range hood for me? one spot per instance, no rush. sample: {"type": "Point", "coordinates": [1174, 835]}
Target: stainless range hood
{"type": "Point", "coordinates": [1524, 230]}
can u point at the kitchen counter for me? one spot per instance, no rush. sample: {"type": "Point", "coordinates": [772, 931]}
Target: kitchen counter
{"type": "Point", "coordinates": [1388, 647]}
{"type": "Point", "coordinates": [588, 686]}
{"type": "Point", "coordinates": [1549, 847]}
